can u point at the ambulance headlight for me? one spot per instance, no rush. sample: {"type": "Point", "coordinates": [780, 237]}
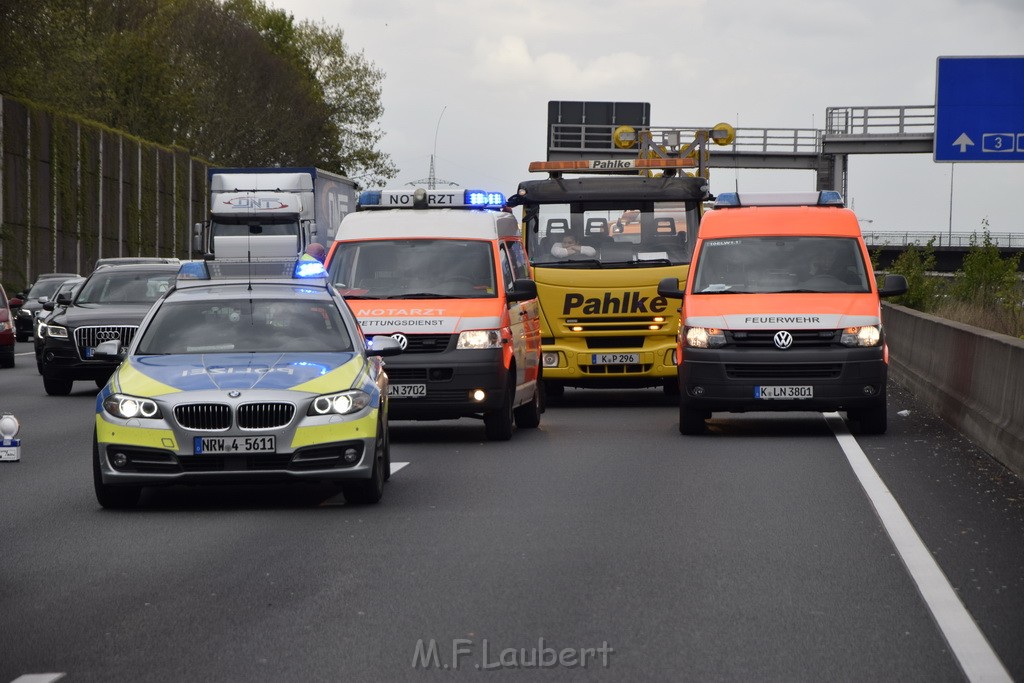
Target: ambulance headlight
{"type": "Point", "coordinates": [479, 339]}
{"type": "Point", "coordinates": [704, 337]}
{"type": "Point", "coordinates": [128, 407]}
{"type": "Point", "coordinates": [869, 335]}
{"type": "Point", "coordinates": [342, 403]}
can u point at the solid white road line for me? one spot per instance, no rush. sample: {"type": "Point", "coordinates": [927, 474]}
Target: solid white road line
{"type": "Point", "coordinates": [37, 678]}
{"type": "Point", "coordinates": [340, 498]}
{"type": "Point", "coordinates": [969, 645]}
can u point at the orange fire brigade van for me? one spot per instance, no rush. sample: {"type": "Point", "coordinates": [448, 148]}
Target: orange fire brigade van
{"type": "Point", "coordinates": [781, 312]}
{"type": "Point", "coordinates": [444, 272]}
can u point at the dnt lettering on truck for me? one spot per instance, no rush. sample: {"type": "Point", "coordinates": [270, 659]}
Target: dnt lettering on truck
{"type": "Point", "coordinates": [781, 311]}
{"type": "Point", "coordinates": [444, 272]}
{"type": "Point", "coordinates": [306, 203]}
{"type": "Point", "coordinates": [598, 243]}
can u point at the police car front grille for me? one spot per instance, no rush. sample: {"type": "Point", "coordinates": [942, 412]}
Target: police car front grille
{"type": "Point", "coordinates": [265, 415]}
{"type": "Point", "coordinates": [766, 338]}
{"type": "Point", "coordinates": [206, 417]}
{"type": "Point", "coordinates": [92, 336]}
{"type": "Point", "coordinates": [427, 343]}
{"type": "Point", "coordinates": [783, 371]}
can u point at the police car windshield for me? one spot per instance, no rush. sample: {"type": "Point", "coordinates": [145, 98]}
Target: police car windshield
{"type": "Point", "coordinates": [780, 265]}
{"type": "Point", "coordinates": [610, 234]}
{"type": "Point", "coordinates": [113, 286]}
{"type": "Point", "coordinates": [415, 269]}
{"type": "Point", "coordinates": [246, 326]}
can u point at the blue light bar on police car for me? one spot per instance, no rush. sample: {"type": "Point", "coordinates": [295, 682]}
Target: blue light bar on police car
{"type": "Point", "coordinates": [736, 199]}
{"type": "Point", "coordinates": [421, 198]}
{"type": "Point", "coordinates": [263, 269]}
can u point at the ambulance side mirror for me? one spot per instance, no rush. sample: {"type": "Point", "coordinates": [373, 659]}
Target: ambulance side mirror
{"type": "Point", "coordinates": [522, 290]}
{"type": "Point", "coordinates": [893, 285]}
{"type": "Point", "coordinates": [669, 288]}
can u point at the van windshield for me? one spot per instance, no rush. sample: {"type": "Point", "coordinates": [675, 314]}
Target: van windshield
{"type": "Point", "coordinates": [780, 265]}
{"type": "Point", "coordinates": [414, 269]}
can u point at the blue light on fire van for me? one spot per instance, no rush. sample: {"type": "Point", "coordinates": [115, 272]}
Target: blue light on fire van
{"type": "Point", "coordinates": [483, 198]}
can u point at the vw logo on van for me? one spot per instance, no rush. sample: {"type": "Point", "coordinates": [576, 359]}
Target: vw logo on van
{"type": "Point", "coordinates": [107, 335]}
{"type": "Point", "coordinates": [402, 340]}
{"type": "Point", "coordinates": [783, 339]}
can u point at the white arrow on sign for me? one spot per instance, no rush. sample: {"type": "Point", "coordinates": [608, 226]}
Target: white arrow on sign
{"type": "Point", "coordinates": [963, 142]}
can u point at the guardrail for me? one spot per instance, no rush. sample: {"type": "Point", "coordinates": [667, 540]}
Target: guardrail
{"type": "Point", "coordinates": [880, 120]}
{"type": "Point", "coordinates": [892, 238]}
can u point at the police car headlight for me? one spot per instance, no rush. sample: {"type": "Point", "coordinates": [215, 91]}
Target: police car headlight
{"type": "Point", "coordinates": [343, 403]}
{"type": "Point", "coordinates": [128, 407]}
{"type": "Point", "coordinates": [869, 335]}
{"type": "Point", "coordinates": [56, 332]}
{"type": "Point", "coordinates": [704, 337]}
{"type": "Point", "coordinates": [479, 339]}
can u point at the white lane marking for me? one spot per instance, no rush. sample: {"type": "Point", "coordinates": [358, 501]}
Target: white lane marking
{"type": "Point", "coordinates": [38, 678]}
{"type": "Point", "coordinates": [26, 353]}
{"type": "Point", "coordinates": [972, 651]}
{"type": "Point", "coordinates": [340, 498]}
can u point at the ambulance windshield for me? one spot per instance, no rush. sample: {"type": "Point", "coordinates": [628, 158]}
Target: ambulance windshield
{"type": "Point", "coordinates": [743, 265]}
{"type": "Point", "coordinates": [414, 269]}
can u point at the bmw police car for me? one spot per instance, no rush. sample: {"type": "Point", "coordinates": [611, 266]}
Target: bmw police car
{"type": "Point", "coordinates": [246, 370]}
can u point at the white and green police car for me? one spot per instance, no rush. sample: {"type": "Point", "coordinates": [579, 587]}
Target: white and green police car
{"type": "Point", "coordinates": [246, 370]}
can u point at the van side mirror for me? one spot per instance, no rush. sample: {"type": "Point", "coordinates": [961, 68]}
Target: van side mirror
{"type": "Point", "coordinates": [522, 290]}
{"type": "Point", "coordinates": [893, 285]}
{"type": "Point", "coordinates": [197, 237]}
{"type": "Point", "coordinates": [669, 288]}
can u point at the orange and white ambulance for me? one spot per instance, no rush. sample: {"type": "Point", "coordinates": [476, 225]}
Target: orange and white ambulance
{"type": "Point", "coordinates": [444, 272]}
{"type": "Point", "coordinates": [781, 311]}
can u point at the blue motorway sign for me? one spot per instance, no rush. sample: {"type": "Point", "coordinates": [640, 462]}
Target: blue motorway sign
{"type": "Point", "coordinates": [979, 109]}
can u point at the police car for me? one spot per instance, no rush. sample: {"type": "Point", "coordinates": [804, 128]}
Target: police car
{"type": "Point", "coordinates": [249, 369]}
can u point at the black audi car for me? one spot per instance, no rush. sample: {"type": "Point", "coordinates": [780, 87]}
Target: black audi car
{"type": "Point", "coordinates": [33, 299]}
{"type": "Point", "coordinates": [109, 305]}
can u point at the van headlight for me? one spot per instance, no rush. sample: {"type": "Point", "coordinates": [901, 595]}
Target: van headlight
{"type": "Point", "coordinates": [341, 403]}
{"type": "Point", "coordinates": [128, 407]}
{"type": "Point", "coordinates": [869, 335]}
{"type": "Point", "coordinates": [705, 337]}
{"type": "Point", "coordinates": [479, 339]}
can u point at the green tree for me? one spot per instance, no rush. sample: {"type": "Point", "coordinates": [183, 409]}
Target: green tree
{"type": "Point", "coordinates": [914, 263]}
{"type": "Point", "coordinates": [988, 280]}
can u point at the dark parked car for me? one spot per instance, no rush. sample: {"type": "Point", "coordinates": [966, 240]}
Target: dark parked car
{"type": "Point", "coordinates": [110, 305]}
{"type": "Point", "coordinates": [40, 291]}
{"type": "Point", "coordinates": [66, 292]}
{"type": "Point", "coordinates": [6, 332]}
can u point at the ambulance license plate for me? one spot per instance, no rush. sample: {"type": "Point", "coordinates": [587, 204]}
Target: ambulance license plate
{"type": "Point", "coordinates": [783, 392]}
{"type": "Point", "coordinates": [407, 390]}
{"type": "Point", "coordinates": [215, 445]}
{"type": "Point", "coordinates": [614, 358]}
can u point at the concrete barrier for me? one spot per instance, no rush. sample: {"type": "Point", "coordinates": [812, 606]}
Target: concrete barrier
{"type": "Point", "coordinates": [971, 378]}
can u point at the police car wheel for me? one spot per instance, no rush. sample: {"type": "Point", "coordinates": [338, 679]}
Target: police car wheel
{"type": "Point", "coordinates": [498, 423]}
{"type": "Point", "coordinates": [528, 415]}
{"type": "Point", "coordinates": [691, 422]}
{"type": "Point", "coordinates": [57, 387]}
{"type": "Point", "coordinates": [368, 491]}
{"type": "Point", "coordinates": [111, 497]}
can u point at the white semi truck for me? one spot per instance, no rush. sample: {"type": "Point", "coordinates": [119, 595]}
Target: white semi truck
{"type": "Point", "coordinates": [308, 203]}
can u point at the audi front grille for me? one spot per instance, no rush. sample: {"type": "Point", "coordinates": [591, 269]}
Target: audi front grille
{"type": "Point", "coordinates": [93, 336]}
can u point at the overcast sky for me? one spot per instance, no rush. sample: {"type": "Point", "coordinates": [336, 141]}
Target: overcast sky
{"type": "Point", "coordinates": [491, 68]}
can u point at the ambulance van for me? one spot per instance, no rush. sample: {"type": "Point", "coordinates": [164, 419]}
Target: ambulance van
{"type": "Point", "coordinates": [444, 272]}
{"type": "Point", "coordinates": [781, 312]}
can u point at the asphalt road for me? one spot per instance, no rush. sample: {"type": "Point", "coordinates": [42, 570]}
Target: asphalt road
{"type": "Point", "coordinates": [603, 538]}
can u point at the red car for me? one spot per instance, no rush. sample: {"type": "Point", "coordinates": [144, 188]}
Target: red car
{"type": "Point", "coordinates": [6, 332]}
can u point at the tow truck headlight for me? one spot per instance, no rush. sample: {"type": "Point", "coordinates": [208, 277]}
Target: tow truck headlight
{"type": "Point", "coordinates": [704, 337]}
{"type": "Point", "coordinates": [128, 407]}
{"type": "Point", "coordinates": [869, 335]}
{"type": "Point", "coordinates": [479, 339]}
{"type": "Point", "coordinates": [342, 403]}
{"type": "Point", "coordinates": [56, 332]}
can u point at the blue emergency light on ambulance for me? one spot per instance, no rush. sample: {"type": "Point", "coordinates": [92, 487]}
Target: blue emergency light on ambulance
{"type": "Point", "coordinates": [421, 198]}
